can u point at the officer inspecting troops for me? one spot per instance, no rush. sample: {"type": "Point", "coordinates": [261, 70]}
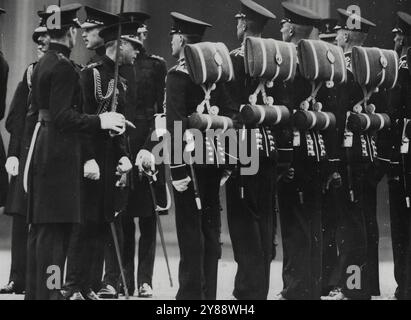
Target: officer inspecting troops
{"type": "Point", "coordinates": [86, 250]}
{"type": "Point", "coordinates": [96, 20]}
{"type": "Point", "coordinates": [20, 124]}
{"type": "Point", "coordinates": [55, 159]}
{"type": "Point", "coordinates": [106, 201]}
{"type": "Point", "coordinates": [149, 88]}
{"type": "Point", "coordinates": [399, 176]}
{"type": "Point", "coordinates": [251, 212]}
{"type": "Point", "coordinates": [4, 72]}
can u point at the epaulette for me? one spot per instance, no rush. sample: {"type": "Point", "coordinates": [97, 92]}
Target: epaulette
{"type": "Point", "coordinates": [153, 56]}
{"type": "Point", "coordinates": [92, 65]}
{"type": "Point", "coordinates": [63, 57]}
{"type": "Point", "coordinates": [181, 67]}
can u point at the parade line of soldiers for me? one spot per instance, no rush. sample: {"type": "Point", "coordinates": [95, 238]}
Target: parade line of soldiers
{"type": "Point", "coordinates": [82, 164]}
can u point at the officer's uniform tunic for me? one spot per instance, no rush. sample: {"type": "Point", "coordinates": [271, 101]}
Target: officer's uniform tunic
{"type": "Point", "coordinates": [56, 173]}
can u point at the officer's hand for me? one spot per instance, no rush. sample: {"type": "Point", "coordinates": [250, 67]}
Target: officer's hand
{"type": "Point", "coordinates": [12, 166]}
{"type": "Point", "coordinates": [289, 176]}
{"type": "Point", "coordinates": [113, 121]}
{"type": "Point", "coordinates": [124, 165]}
{"type": "Point", "coordinates": [182, 185]}
{"type": "Point", "coordinates": [226, 176]}
{"type": "Point", "coordinates": [334, 180]}
{"type": "Point", "coordinates": [145, 160]}
{"type": "Point", "coordinates": [92, 170]}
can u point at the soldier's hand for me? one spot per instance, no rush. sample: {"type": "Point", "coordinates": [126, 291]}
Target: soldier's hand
{"type": "Point", "coordinates": [12, 166]}
{"type": "Point", "coordinates": [182, 185]}
{"type": "Point", "coordinates": [289, 176]}
{"type": "Point", "coordinates": [92, 170]}
{"type": "Point", "coordinates": [334, 180]}
{"type": "Point", "coordinates": [145, 160]}
{"type": "Point", "coordinates": [113, 121]}
{"type": "Point", "coordinates": [124, 165]}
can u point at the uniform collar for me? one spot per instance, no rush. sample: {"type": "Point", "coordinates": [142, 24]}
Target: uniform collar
{"type": "Point", "coordinates": [60, 48]}
{"type": "Point", "coordinates": [108, 62]}
{"type": "Point", "coordinates": [101, 51]}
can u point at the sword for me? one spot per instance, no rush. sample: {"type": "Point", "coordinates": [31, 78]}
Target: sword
{"type": "Point", "coordinates": [152, 177]}
{"type": "Point", "coordinates": [30, 156]}
{"type": "Point", "coordinates": [120, 263]}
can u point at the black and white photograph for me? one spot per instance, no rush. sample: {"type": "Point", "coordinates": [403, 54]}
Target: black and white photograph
{"type": "Point", "coordinates": [224, 151]}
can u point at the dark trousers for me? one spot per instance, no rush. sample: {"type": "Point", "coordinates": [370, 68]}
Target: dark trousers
{"type": "Point", "coordinates": [19, 235]}
{"type": "Point", "coordinates": [400, 233]}
{"type": "Point", "coordinates": [83, 256]}
{"type": "Point", "coordinates": [352, 235]}
{"type": "Point", "coordinates": [111, 267]}
{"type": "Point", "coordinates": [146, 250]}
{"type": "Point", "coordinates": [199, 237]}
{"type": "Point", "coordinates": [47, 249]}
{"type": "Point", "coordinates": [356, 236]}
{"type": "Point", "coordinates": [373, 236]}
{"type": "Point", "coordinates": [251, 225]}
{"type": "Point", "coordinates": [301, 227]}
{"type": "Point", "coordinates": [330, 220]}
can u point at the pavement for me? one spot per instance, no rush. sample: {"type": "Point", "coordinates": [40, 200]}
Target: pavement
{"type": "Point", "coordinates": [227, 269]}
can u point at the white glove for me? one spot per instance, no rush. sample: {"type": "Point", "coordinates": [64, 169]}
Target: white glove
{"type": "Point", "coordinates": [113, 121]}
{"type": "Point", "coordinates": [145, 160]}
{"type": "Point", "coordinates": [12, 166]}
{"type": "Point", "coordinates": [92, 170]}
{"type": "Point", "coordinates": [124, 165]}
{"type": "Point", "coordinates": [182, 185]}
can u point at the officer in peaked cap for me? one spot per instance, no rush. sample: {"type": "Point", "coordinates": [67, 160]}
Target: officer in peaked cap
{"type": "Point", "coordinates": [55, 183]}
{"type": "Point", "coordinates": [327, 30]}
{"type": "Point", "coordinates": [89, 237]}
{"type": "Point", "coordinates": [39, 33]}
{"type": "Point", "coordinates": [96, 20]}
{"type": "Point", "coordinates": [4, 70]}
{"type": "Point", "coordinates": [20, 124]}
{"type": "Point", "coordinates": [68, 16]}
{"type": "Point", "coordinates": [246, 214]}
{"type": "Point", "coordinates": [103, 156]}
{"type": "Point", "coordinates": [399, 177]}
{"type": "Point", "coordinates": [146, 82]}
{"type": "Point", "coordinates": [402, 32]}
{"type": "Point", "coordinates": [140, 17]}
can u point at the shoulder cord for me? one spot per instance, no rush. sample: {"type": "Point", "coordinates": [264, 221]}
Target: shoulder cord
{"type": "Point", "coordinates": [103, 100]}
